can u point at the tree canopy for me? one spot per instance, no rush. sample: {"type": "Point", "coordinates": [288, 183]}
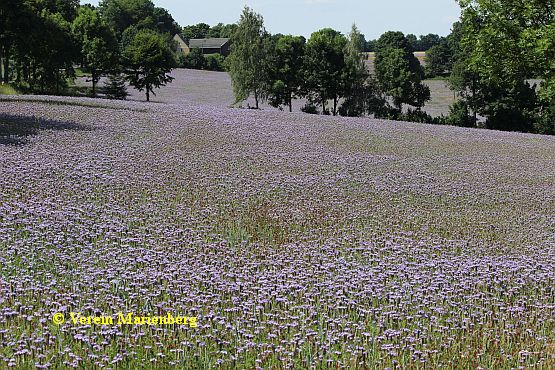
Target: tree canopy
{"type": "Point", "coordinates": [149, 60]}
{"type": "Point", "coordinates": [324, 67]}
{"type": "Point", "coordinates": [398, 71]}
{"type": "Point", "coordinates": [249, 61]}
{"type": "Point", "coordinates": [288, 61]}
{"type": "Point", "coordinates": [505, 44]}
{"type": "Point", "coordinates": [97, 42]}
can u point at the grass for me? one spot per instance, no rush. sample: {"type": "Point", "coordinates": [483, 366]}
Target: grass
{"type": "Point", "coordinates": [7, 89]}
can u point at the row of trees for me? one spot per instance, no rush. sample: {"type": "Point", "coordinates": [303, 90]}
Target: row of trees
{"type": "Point", "coordinates": [42, 41]}
{"type": "Point", "coordinates": [491, 58]}
{"type": "Point", "coordinates": [422, 43]}
{"type": "Point", "coordinates": [203, 30]}
{"type": "Point", "coordinates": [328, 70]}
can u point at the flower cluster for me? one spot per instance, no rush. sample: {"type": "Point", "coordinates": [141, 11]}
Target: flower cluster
{"type": "Point", "coordinates": [298, 241]}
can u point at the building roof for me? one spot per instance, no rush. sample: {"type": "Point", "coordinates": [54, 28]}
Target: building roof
{"type": "Point", "coordinates": [179, 40]}
{"type": "Point", "coordinates": [207, 43]}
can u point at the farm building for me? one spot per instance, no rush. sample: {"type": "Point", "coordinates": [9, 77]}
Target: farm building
{"type": "Point", "coordinates": [211, 46]}
{"type": "Point", "coordinates": [181, 45]}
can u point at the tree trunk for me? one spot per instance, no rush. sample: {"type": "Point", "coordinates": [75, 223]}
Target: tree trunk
{"type": "Point", "coordinates": [290, 104]}
{"type": "Point", "coordinates": [256, 99]}
{"type": "Point", "coordinates": [6, 64]}
{"type": "Point", "coordinates": [335, 105]}
{"type": "Point", "coordinates": [474, 102]}
{"type": "Point", "coordinates": [147, 93]}
{"type": "Point", "coordinates": [1, 60]}
{"type": "Point", "coordinates": [94, 77]}
{"type": "Point", "coordinates": [57, 81]}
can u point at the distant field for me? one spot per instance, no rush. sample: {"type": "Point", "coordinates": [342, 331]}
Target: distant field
{"type": "Point", "coordinates": [205, 87]}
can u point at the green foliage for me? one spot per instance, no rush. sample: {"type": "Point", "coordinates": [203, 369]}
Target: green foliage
{"type": "Point", "coordinates": [54, 54]}
{"type": "Point", "coordinates": [286, 79]}
{"type": "Point", "coordinates": [97, 42]}
{"type": "Point", "coordinates": [115, 87]}
{"type": "Point", "coordinates": [398, 71]}
{"type": "Point", "coordinates": [503, 44]}
{"type": "Point", "coordinates": [222, 30]}
{"type": "Point", "coordinates": [426, 42]}
{"type": "Point", "coordinates": [416, 115]}
{"type": "Point", "coordinates": [439, 60]}
{"type": "Point", "coordinates": [397, 80]}
{"type": "Point", "coordinates": [215, 62]}
{"type": "Point", "coordinates": [309, 108]}
{"type": "Point", "coordinates": [509, 107]}
{"type": "Point", "coordinates": [249, 61]}
{"type": "Point", "coordinates": [148, 60]}
{"type": "Point", "coordinates": [196, 31]}
{"type": "Point", "coordinates": [324, 67]}
{"type": "Point", "coordinates": [196, 60]}
{"type": "Point", "coordinates": [358, 89]}
{"type": "Point", "coordinates": [8, 90]}
{"type": "Point", "coordinates": [546, 123]}
{"type": "Point", "coordinates": [121, 14]}
{"type": "Point", "coordinates": [193, 60]}
{"type": "Point", "coordinates": [459, 115]}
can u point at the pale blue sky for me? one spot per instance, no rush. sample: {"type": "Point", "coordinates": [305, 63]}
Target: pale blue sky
{"type": "Point", "coordinates": [302, 17]}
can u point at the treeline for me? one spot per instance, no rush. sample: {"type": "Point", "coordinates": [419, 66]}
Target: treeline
{"type": "Point", "coordinates": [41, 43]}
{"type": "Point", "coordinates": [328, 70]}
{"type": "Point", "coordinates": [421, 43]}
{"type": "Point", "coordinates": [489, 68]}
{"type": "Point", "coordinates": [203, 31]}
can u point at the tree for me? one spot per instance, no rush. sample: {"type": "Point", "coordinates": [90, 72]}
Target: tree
{"type": "Point", "coordinates": [249, 61]}
{"type": "Point", "coordinates": [54, 54]}
{"type": "Point", "coordinates": [163, 22]}
{"type": "Point", "coordinates": [122, 14]}
{"type": "Point", "coordinates": [148, 60]}
{"type": "Point", "coordinates": [97, 43]}
{"type": "Point", "coordinates": [426, 42]}
{"type": "Point", "coordinates": [413, 41]}
{"type": "Point", "coordinates": [36, 44]}
{"type": "Point", "coordinates": [324, 67]}
{"type": "Point", "coordinates": [222, 30]}
{"type": "Point", "coordinates": [459, 115]}
{"type": "Point", "coordinates": [506, 43]}
{"type": "Point", "coordinates": [12, 30]}
{"type": "Point", "coordinates": [398, 71]}
{"type": "Point", "coordinates": [196, 31]}
{"type": "Point", "coordinates": [439, 60]}
{"type": "Point", "coordinates": [355, 76]}
{"type": "Point", "coordinates": [194, 60]}
{"type": "Point", "coordinates": [115, 87]}
{"type": "Point", "coordinates": [286, 70]}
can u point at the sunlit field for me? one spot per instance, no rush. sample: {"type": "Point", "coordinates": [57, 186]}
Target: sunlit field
{"type": "Point", "coordinates": [298, 241]}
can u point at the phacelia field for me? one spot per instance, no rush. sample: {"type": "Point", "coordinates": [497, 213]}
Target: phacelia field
{"type": "Point", "coordinates": [298, 241]}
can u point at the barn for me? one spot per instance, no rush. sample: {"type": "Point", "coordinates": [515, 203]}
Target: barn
{"type": "Point", "coordinates": [211, 46]}
{"type": "Point", "coordinates": [182, 46]}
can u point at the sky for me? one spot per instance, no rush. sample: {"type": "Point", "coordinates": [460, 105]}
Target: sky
{"type": "Point", "coordinates": [302, 17]}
